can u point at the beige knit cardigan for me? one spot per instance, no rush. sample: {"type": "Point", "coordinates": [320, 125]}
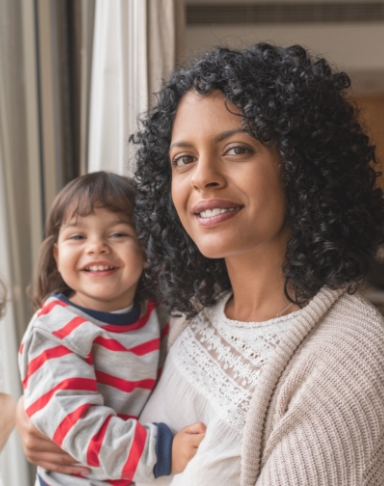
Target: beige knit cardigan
{"type": "Point", "coordinates": [317, 415]}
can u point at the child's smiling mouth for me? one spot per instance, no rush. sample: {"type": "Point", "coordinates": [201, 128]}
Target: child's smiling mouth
{"type": "Point", "coordinates": [100, 269]}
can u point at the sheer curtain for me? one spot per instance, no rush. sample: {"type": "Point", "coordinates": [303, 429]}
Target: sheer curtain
{"type": "Point", "coordinates": [13, 467]}
{"type": "Point", "coordinates": [136, 44]}
{"type": "Point", "coordinates": [45, 139]}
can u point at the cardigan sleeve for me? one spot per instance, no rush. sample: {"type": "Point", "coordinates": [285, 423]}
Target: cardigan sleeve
{"type": "Point", "coordinates": [327, 425]}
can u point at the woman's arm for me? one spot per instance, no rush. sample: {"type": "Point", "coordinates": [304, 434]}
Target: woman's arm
{"type": "Point", "coordinates": [7, 417]}
{"type": "Point", "coordinates": [40, 450]}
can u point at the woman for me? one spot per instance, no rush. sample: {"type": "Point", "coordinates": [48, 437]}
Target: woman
{"type": "Point", "coordinates": [260, 215]}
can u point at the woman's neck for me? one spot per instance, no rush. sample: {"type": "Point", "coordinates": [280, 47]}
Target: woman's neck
{"type": "Point", "coordinates": [258, 286]}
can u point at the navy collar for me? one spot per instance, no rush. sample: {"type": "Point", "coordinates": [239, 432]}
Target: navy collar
{"type": "Point", "coordinates": [124, 319]}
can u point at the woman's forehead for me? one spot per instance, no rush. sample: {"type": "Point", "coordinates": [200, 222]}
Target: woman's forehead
{"type": "Point", "coordinates": [208, 112]}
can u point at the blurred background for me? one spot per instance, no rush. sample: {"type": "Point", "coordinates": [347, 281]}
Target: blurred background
{"type": "Point", "coordinates": [75, 75]}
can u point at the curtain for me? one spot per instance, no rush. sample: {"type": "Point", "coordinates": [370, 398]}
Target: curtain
{"type": "Point", "coordinates": [13, 466]}
{"type": "Point", "coordinates": [137, 43]}
{"type": "Point", "coordinates": [44, 96]}
{"type": "Point", "coordinates": [14, 269]}
{"type": "Point", "coordinates": [48, 135]}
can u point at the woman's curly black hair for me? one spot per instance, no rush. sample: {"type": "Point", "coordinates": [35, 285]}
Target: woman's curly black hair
{"type": "Point", "coordinates": [334, 209]}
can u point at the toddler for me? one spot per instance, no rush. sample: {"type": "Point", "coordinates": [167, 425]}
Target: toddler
{"type": "Point", "coordinates": [92, 353]}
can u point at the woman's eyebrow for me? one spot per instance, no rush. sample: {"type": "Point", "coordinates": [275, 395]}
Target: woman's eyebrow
{"type": "Point", "coordinates": [180, 145]}
{"type": "Point", "coordinates": [219, 138]}
{"type": "Point", "coordinates": [222, 136]}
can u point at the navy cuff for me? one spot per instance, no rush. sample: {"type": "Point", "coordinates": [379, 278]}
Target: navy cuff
{"type": "Point", "coordinates": [164, 440]}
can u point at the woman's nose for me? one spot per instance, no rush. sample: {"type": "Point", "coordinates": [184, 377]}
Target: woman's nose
{"type": "Point", "coordinates": [207, 173]}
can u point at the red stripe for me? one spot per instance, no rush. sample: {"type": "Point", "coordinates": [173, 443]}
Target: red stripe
{"type": "Point", "coordinates": [69, 421]}
{"type": "Point", "coordinates": [110, 344]}
{"type": "Point", "coordinates": [46, 309]}
{"type": "Point", "coordinates": [118, 482]}
{"type": "Point", "coordinates": [89, 359]}
{"type": "Point", "coordinates": [36, 363]}
{"type": "Point", "coordinates": [127, 417]}
{"type": "Point", "coordinates": [85, 384]}
{"type": "Point", "coordinates": [21, 348]}
{"type": "Point", "coordinates": [95, 444]}
{"type": "Point", "coordinates": [123, 385]}
{"type": "Point", "coordinates": [132, 327]}
{"type": "Point", "coordinates": [138, 350]}
{"type": "Point", "coordinates": [164, 331]}
{"type": "Point", "coordinates": [68, 328]}
{"type": "Point", "coordinates": [135, 452]}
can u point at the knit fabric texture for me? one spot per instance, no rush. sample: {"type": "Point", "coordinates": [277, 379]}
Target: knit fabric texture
{"type": "Point", "coordinates": [317, 415]}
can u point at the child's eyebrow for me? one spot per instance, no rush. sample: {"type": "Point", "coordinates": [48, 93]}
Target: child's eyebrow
{"type": "Point", "coordinates": [71, 225]}
{"type": "Point", "coordinates": [112, 223]}
{"type": "Point", "coordinates": [120, 221]}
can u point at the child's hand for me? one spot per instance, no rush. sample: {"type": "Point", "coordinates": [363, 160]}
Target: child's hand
{"type": "Point", "coordinates": [185, 444]}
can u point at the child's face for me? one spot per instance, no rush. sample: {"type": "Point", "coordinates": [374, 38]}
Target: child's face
{"type": "Point", "coordinates": [98, 256]}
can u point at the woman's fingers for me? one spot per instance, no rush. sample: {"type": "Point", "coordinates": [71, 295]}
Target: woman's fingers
{"type": "Point", "coordinates": [40, 450]}
{"type": "Point", "coordinates": [36, 446]}
{"type": "Point", "coordinates": [63, 469]}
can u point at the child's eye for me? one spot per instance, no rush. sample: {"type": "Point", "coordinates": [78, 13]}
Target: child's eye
{"type": "Point", "coordinates": [76, 237]}
{"type": "Point", "coordinates": [119, 234]}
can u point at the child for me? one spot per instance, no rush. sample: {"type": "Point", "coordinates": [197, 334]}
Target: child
{"type": "Point", "coordinates": [90, 356]}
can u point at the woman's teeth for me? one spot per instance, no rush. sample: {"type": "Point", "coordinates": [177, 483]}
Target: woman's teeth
{"type": "Point", "coordinates": [98, 268]}
{"type": "Point", "coordinates": [209, 213]}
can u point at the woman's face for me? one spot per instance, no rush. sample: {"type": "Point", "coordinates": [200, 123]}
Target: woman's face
{"type": "Point", "coordinates": [226, 185]}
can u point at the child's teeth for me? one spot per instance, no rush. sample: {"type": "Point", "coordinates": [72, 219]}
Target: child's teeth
{"type": "Point", "coordinates": [99, 268]}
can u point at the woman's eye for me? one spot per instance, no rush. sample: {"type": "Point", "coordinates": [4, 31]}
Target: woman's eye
{"type": "Point", "coordinates": [238, 150]}
{"type": "Point", "coordinates": [182, 160]}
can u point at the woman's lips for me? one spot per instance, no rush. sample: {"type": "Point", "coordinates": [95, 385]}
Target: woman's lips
{"type": "Point", "coordinates": [212, 212]}
{"type": "Point", "coordinates": [213, 217]}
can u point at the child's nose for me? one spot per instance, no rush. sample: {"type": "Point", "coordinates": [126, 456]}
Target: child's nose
{"type": "Point", "coordinates": [97, 245]}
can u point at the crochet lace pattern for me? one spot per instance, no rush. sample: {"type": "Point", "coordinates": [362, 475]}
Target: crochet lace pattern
{"type": "Point", "coordinates": [223, 358]}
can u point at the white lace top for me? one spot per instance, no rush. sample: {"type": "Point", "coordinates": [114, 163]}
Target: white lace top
{"type": "Point", "coordinates": [209, 376]}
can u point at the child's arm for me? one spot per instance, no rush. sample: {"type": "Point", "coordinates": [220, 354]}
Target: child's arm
{"type": "Point", "coordinates": [63, 402]}
{"type": "Point", "coordinates": [185, 445]}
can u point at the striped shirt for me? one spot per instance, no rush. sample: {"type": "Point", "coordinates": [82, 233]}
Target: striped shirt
{"type": "Point", "coordinates": [86, 377]}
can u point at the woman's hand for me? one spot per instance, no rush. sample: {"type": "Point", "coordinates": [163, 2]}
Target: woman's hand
{"type": "Point", "coordinates": [185, 445]}
{"type": "Point", "coordinates": [7, 417]}
{"type": "Point", "coordinates": [40, 450]}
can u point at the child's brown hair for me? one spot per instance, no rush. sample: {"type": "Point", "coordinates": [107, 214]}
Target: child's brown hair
{"type": "Point", "coordinates": [80, 197]}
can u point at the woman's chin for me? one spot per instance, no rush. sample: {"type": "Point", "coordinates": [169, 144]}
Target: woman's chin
{"type": "Point", "coordinates": [214, 251]}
